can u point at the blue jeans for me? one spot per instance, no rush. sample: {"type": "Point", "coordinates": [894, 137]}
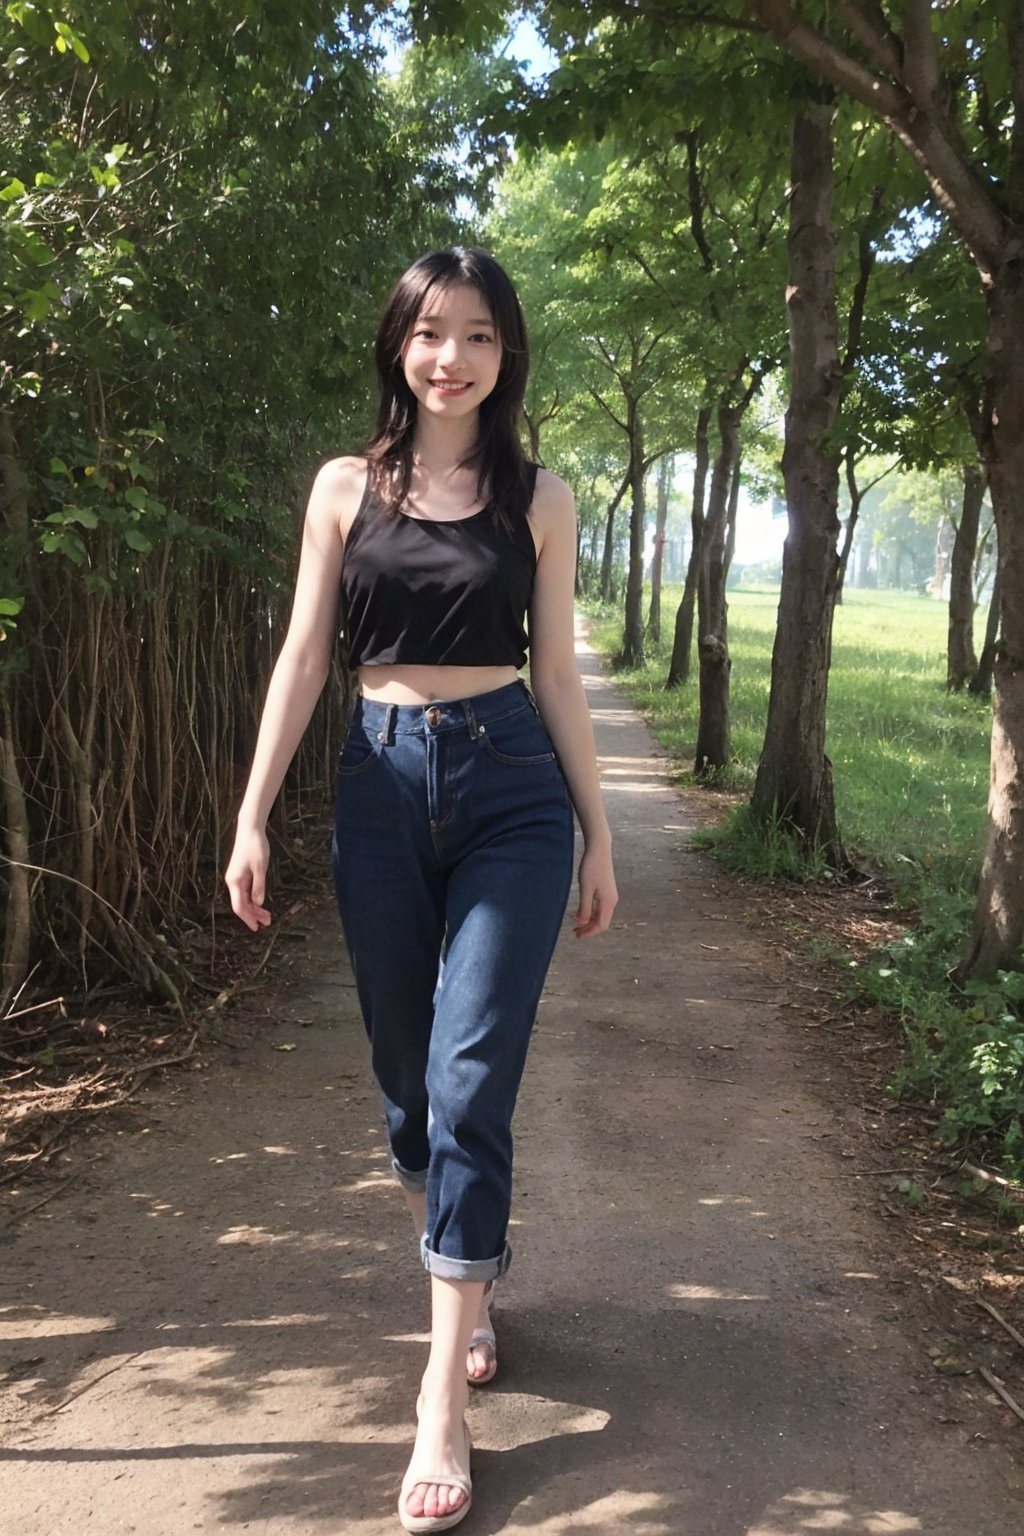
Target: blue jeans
{"type": "Point", "coordinates": [452, 855]}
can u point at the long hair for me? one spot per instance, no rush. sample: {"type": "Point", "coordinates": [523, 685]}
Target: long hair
{"type": "Point", "coordinates": [502, 471]}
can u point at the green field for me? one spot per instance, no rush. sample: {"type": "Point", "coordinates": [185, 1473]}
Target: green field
{"type": "Point", "coordinates": [910, 760]}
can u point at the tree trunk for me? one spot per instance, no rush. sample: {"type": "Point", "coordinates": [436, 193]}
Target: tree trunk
{"type": "Point", "coordinates": [608, 558]}
{"type": "Point", "coordinates": [18, 925]}
{"type": "Point", "coordinates": [981, 682]}
{"type": "Point", "coordinates": [730, 521]}
{"type": "Point", "coordinates": [18, 910]}
{"type": "Point", "coordinates": [657, 564]}
{"type": "Point", "coordinates": [714, 737]}
{"type": "Point", "coordinates": [998, 930]}
{"type": "Point", "coordinates": [679, 667]}
{"type": "Point", "coordinates": [961, 662]}
{"type": "Point", "coordinates": [633, 629]}
{"type": "Point", "coordinates": [853, 516]}
{"type": "Point", "coordinates": [794, 777]}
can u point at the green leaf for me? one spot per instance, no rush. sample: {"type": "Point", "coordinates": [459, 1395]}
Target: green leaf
{"type": "Point", "coordinates": [10, 606]}
{"type": "Point", "coordinates": [85, 516]}
{"type": "Point", "coordinates": [138, 541]}
{"type": "Point", "coordinates": [58, 467]}
{"type": "Point", "coordinates": [13, 190]}
{"type": "Point", "coordinates": [61, 541]}
{"type": "Point", "coordinates": [35, 304]}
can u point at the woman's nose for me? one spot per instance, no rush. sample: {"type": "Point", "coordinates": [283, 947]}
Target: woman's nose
{"type": "Point", "coordinates": [450, 354]}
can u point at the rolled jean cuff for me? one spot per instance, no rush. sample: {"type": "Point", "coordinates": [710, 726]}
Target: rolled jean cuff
{"type": "Point", "coordinates": [415, 1183]}
{"type": "Point", "coordinates": [464, 1269]}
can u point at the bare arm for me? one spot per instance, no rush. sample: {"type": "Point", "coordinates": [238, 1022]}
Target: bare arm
{"type": "Point", "coordinates": [297, 681]}
{"type": "Point", "coordinates": [556, 682]}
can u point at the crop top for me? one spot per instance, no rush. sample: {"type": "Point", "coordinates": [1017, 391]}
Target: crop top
{"type": "Point", "coordinates": [425, 593]}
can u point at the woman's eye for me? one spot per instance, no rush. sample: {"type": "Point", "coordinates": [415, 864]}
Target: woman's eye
{"type": "Point", "coordinates": [481, 336]}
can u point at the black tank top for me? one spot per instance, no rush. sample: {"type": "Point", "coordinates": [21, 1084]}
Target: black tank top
{"type": "Point", "coordinates": [436, 594]}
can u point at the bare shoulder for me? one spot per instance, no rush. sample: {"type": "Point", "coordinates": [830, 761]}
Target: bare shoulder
{"type": "Point", "coordinates": [553, 510]}
{"type": "Point", "coordinates": [337, 491]}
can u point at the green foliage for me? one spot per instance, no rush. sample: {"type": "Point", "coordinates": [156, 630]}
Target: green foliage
{"type": "Point", "coordinates": [765, 850]}
{"type": "Point", "coordinates": [202, 207]}
{"type": "Point", "coordinates": [965, 1050]}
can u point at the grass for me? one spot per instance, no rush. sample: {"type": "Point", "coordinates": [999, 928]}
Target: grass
{"type": "Point", "coordinates": [910, 765]}
{"type": "Point", "coordinates": [910, 761]}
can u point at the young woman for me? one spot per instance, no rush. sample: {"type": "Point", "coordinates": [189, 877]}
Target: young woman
{"type": "Point", "coordinates": [453, 826]}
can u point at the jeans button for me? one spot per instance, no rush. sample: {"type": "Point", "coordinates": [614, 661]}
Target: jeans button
{"type": "Point", "coordinates": [434, 716]}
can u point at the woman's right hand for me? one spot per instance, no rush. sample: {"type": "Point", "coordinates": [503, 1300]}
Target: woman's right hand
{"type": "Point", "coordinates": [246, 877]}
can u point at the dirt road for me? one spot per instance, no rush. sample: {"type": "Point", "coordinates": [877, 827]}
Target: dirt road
{"type": "Point", "coordinates": [219, 1326]}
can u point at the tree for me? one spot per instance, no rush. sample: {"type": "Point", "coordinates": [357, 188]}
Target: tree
{"type": "Point", "coordinates": [664, 492]}
{"type": "Point", "coordinates": [555, 221]}
{"type": "Point", "coordinates": [186, 324]}
{"type": "Point", "coordinates": [949, 84]}
{"type": "Point", "coordinates": [794, 776]}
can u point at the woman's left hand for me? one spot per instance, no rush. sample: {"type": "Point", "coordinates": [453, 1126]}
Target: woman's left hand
{"type": "Point", "coordinates": [598, 893]}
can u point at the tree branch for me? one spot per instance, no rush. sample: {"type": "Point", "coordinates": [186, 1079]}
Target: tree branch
{"type": "Point", "coordinates": [642, 357]}
{"type": "Point", "coordinates": [929, 138]}
{"type": "Point", "coordinates": [695, 196]}
{"type": "Point", "coordinates": [921, 69]}
{"type": "Point", "coordinates": [865, 267]}
{"type": "Point", "coordinates": [649, 272]}
{"type": "Point", "coordinates": [1015, 177]}
{"type": "Point", "coordinates": [608, 411]}
{"type": "Point", "coordinates": [869, 25]}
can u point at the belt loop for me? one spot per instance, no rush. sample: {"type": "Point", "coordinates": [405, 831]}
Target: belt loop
{"type": "Point", "coordinates": [474, 730]}
{"type": "Point", "coordinates": [389, 725]}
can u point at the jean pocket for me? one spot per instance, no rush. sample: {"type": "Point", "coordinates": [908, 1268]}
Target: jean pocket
{"type": "Point", "coordinates": [358, 753]}
{"type": "Point", "coordinates": [519, 741]}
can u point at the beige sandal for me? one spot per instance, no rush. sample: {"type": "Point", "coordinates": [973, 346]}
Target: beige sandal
{"type": "Point", "coordinates": [483, 1338]}
{"type": "Point", "coordinates": [424, 1523]}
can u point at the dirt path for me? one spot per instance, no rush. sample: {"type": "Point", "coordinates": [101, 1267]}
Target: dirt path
{"type": "Point", "coordinates": [218, 1327]}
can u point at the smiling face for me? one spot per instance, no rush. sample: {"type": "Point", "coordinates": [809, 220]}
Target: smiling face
{"type": "Point", "coordinates": [453, 355]}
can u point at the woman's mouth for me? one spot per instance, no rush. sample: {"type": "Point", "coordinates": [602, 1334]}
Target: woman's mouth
{"type": "Point", "coordinates": [449, 386]}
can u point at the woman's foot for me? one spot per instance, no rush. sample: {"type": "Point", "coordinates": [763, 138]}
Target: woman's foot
{"type": "Point", "coordinates": [482, 1357]}
{"type": "Point", "coordinates": [436, 1490]}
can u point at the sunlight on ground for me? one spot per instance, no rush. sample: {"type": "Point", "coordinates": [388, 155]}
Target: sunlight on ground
{"type": "Point", "coordinates": [809, 1509]}
{"type": "Point", "coordinates": [632, 765]}
{"type": "Point", "coordinates": [39, 1325]}
{"type": "Point", "coordinates": [304, 1242]}
{"type": "Point", "coordinates": [641, 1514]}
{"type": "Point", "coordinates": [529, 1420]}
{"type": "Point", "coordinates": [283, 1320]}
{"type": "Point", "coordinates": [638, 775]}
{"type": "Point", "coordinates": [711, 1293]}
{"type": "Point", "coordinates": [379, 1182]}
{"type": "Point", "coordinates": [254, 1235]}
{"type": "Point", "coordinates": [612, 716]}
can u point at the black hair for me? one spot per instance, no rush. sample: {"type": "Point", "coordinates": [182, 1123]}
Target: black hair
{"type": "Point", "coordinates": [503, 477]}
